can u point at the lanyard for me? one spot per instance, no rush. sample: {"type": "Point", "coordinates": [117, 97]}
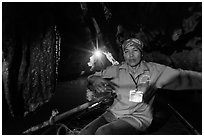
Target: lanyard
{"type": "Point", "coordinates": [136, 83]}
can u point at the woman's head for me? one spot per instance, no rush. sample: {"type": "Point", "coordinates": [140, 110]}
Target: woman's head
{"type": "Point", "coordinates": [132, 51]}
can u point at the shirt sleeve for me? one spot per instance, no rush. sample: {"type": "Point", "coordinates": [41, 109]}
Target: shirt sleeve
{"type": "Point", "coordinates": [178, 79]}
{"type": "Point", "coordinates": [109, 72]}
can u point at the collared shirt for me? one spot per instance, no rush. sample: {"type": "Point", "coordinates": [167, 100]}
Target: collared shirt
{"type": "Point", "coordinates": [148, 77]}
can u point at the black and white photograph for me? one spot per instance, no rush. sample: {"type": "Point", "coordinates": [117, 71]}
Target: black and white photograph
{"type": "Point", "coordinates": [101, 68]}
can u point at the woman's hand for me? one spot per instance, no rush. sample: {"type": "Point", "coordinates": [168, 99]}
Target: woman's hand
{"type": "Point", "coordinates": [100, 84]}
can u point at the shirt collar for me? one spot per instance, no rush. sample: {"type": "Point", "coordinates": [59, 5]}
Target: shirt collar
{"type": "Point", "coordinates": [142, 67]}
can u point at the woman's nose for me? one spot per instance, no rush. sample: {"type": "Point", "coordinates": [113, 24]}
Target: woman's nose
{"type": "Point", "coordinates": [131, 55]}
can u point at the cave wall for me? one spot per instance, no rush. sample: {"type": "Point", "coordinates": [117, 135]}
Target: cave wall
{"type": "Point", "coordinates": [30, 57]}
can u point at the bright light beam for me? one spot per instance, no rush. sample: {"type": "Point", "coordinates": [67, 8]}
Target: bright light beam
{"type": "Point", "coordinates": [97, 53]}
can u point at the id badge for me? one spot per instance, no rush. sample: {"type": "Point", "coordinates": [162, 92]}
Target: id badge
{"type": "Point", "coordinates": [135, 96]}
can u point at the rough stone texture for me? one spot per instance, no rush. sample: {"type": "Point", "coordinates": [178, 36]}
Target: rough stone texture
{"type": "Point", "coordinates": [30, 61]}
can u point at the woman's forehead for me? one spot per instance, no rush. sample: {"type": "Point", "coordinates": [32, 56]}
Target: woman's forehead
{"type": "Point", "coordinates": [130, 47]}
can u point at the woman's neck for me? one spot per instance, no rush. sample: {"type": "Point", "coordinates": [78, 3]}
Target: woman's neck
{"type": "Point", "coordinates": [133, 69]}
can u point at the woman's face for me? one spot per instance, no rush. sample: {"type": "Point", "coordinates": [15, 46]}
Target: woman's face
{"type": "Point", "coordinates": [132, 55]}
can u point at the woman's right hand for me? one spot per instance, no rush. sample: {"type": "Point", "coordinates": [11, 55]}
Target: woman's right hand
{"type": "Point", "coordinates": [100, 84]}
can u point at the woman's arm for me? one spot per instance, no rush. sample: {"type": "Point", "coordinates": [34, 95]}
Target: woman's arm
{"type": "Point", "coordinates": [178, 79]}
